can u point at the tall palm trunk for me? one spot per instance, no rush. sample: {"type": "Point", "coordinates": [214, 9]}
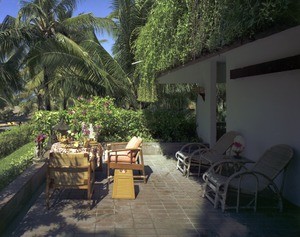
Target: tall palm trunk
{"type": "Point", "coordinates": [65, 100]}
{"type": "Point", "coordinates": [47, 94]}
{"type": "Point", "coordinates": [39, 101]}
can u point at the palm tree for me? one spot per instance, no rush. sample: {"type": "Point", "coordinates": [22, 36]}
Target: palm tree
{"type": "Point", "coordinates": [10, 62]}
{"type": "Point", "coordinates": [129, 16]}
{"type": "Point", "coordinates": [64, 57]}
{"type": "Point", "coordinates": [48, 22]}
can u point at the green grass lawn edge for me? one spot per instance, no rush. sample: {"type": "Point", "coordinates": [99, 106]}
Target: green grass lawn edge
{"type": "Point", "coordinates": [14, 164]}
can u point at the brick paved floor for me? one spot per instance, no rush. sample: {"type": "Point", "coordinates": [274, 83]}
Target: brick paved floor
{"type": "Point", "coordinates": [168, 205]}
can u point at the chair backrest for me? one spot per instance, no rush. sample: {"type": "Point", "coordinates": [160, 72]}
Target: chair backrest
{"type": "Point", "coordinates": [225, 142]}
{"type": "Point", "coordinates": [57, 159]}
{"type": "Point", "coordinates": [69, 169]}
{"type": "Point", "coordinates": [274, 160]}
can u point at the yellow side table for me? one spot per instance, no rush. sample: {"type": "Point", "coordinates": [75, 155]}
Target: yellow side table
{"type": "Point", "coordinates": [123, 184]}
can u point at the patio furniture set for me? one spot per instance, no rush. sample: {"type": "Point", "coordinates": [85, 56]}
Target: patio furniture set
{"type": "Point", "coordinates": [226, 176]}
{"type": "Point", "coordinates": [73, 166]}
{"type": "Point", "coordinates": [227, 181]}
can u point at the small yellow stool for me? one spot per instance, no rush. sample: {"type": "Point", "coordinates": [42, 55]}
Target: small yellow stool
{"type": "Point", "coordinates": [123, 184]}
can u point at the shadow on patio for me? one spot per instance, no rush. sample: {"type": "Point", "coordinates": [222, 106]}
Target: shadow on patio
{"type": "Point", "coordinates": [167, 205]}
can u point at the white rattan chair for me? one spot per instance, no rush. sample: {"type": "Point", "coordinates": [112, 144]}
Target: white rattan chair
{"type": "Point", "coordinates": [249, 183]}
{"type": "Point", "coordinates": [198, 154]}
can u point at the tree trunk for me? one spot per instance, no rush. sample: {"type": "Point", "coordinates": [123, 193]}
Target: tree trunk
{"type": "Point", "coordinates": [47, 93]}
{"type": "Point", "coordinates": [39, 101]}
{"type": "Point", "coordinates": [65, 100]}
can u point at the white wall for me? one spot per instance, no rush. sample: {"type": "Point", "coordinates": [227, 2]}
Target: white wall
{"type": "Point", "coordinates": [204, 74]}
{"type": "Point", "coordinates": [265, 108]}
{"type": "Point", "coordinates": [206, 110]}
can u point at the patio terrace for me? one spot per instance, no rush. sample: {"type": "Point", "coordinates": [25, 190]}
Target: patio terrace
{"type": "Point", "coordinates": [167, 205]}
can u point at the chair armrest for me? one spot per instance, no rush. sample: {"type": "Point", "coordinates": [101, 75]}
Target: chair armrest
{"type": "Point", "coordinates": [111, 146]}
{"type": "Point", "coordinates": [261, 181]}
{"type": "Point", "coordinates": [242, 174]}
{"type": "Point", "coordinates": [124, 149]}
{"type": "Point", "coordinates": [191, 150]}
{"type": "Point", "coordinates": [193, 146]}
{"type": "Point", "coordinates": [216, 166]}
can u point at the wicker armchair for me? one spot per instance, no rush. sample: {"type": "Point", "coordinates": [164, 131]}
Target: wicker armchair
{"type": "Point", "coordinates": [247, 183]}
{"type": "Point", "coordinates": [198, 154]}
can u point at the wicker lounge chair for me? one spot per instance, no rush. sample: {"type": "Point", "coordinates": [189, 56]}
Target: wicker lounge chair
{"type": "Point", "coordinates": [247, 183]}
{"type": "Point", "coordinates": [70, 170]}
{"type": "Point", "coordinates": [198, 154]}
{"type": "Point", "coordinates": [122, 155]}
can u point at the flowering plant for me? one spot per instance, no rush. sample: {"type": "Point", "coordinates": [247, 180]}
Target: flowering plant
{"type": "Point", "coordinates": [40, 139]}
{"type": "Point", "coordinates": [88, 131]}
{"type": "Point", "coordinates": [238, 145]}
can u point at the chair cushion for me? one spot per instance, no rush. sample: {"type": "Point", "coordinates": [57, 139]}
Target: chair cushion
{"type": "Point", "coordinates": [131, 143]}
{"type": "Point", "coordinates": [122, 156]}
{"type": "Point", "coordinates": [134, 143]}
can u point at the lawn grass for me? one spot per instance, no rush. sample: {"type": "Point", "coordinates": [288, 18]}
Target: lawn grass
{"type": "Point", "coordinates": [14, 164]}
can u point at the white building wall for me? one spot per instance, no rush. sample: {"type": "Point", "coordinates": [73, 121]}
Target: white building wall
{"type": "Point", "coordinates": [204, 74]}
{"type": "Point", "coordinates": [265, 108]}
{"type": "Point", "coordinates": [206, 110]}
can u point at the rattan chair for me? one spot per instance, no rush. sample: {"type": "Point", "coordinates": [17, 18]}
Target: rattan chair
{"type": "Point", "coordinates": [123, 155]}
{"type": "Point", "coordinates": [247, 183]}
{"type": "Point", "coordinates": [70, 170]}
{"type": "Point", "coordinates": [198, 154]}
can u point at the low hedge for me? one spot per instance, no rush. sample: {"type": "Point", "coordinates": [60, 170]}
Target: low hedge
{"type": "Point", "coordinates": [118, 124]}
{"type": "Point", "coordinates": [13, 165]}
{"type": "Point", "coordinates": [14, 138]}
{"type": "Point", "coordinates": [171, 125]}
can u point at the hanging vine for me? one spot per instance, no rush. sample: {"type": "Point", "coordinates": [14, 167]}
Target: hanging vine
{"type": "Point", "coordinates": [178, 31]}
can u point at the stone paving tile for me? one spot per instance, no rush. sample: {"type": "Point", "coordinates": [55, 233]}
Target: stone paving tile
{"type": "Point", "coordinates": [168, 205]}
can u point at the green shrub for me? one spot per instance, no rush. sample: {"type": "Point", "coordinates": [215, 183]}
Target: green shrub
{"type": "Point", "coordinates": [118, 124]}
{"type": "Point", "coordinates": [6, 114]}
{"type": "Point", "coordinates": [14, 138]}
{"type": "Point", "coordinates": [171, 125]}
{"type": "Point", "coordinates": [43, 121]}
{"type": "Point", "coordinates": [14, 164]}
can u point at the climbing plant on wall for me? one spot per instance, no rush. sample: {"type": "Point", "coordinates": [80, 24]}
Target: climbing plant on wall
{"type": "Point", "coordinates": [178, 31]}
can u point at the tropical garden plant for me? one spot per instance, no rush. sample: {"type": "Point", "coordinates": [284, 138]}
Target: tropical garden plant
{"type": "Point", "coordinates": [180, 31]}
{"type": "Point", "coordinates": [131, 17]}
{"type": "Point", "coordinates": [14, 164]}
{"type": "Point", "coordinates": [119, 124]}
{"type": "Point", "coordinates": [60, 54]}
{"type": "Point", "coordinates": [14, 138]}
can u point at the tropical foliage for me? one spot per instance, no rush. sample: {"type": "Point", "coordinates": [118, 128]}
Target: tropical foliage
{"type": "Point", "coordinates": [130, 17]}
{"type": "Point", "coordinates": [10, 80]}
{"type": "Point", "coordinates": [59, 55]}
{"type": "Point", "coordinates": [180, 31]}
{"type": "Point", "coordinates": [14, 164]}
{"type": "Point", "coordinates": [118, 124]}
{"type": "Point", "coordinates": [15, 138]}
